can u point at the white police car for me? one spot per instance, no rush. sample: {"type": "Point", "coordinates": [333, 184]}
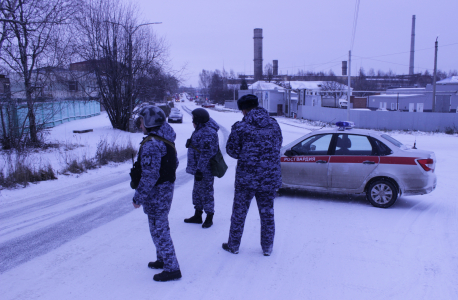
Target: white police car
{"type": "Point", "coordinates": [349, 160]}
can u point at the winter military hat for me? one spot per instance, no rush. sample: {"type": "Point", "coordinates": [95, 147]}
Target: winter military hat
{"type": "Point", "coordinates": [247, 102]}
{"type": "Point", "coordinates": [200, 115]}
{"type": "Point", "coordinates": [152, 116]}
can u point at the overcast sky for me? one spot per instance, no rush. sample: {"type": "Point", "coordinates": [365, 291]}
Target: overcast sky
{"type": "Point", "coordinates": [307, 35]}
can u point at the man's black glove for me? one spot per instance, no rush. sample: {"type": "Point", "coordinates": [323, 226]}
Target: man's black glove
{"type": "Point", "coordinates": [199, 176]}
{"type": "Point", "coordinates": [188, 143]}
{"type": "Point", "coordinates": [135, 175]}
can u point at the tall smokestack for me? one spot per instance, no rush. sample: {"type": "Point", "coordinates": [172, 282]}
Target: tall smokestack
{"type": "Point", "coordinates": [275, 67]}
{"type": "Point", "coordinates": [412, 46]}
{"type": "Point", "coordinates": [257, 54]}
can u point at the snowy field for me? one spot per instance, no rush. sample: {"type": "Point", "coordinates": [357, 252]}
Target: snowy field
{"type": "Point", "coordinates": [79, 237]}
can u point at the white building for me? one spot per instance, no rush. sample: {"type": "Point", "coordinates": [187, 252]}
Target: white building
{"type": "Point", "coordinates": [290, 101]}
{"type": "Point", "coordinates": [271, 96]}
{"type": "Point", "coordinates": [419, 99]}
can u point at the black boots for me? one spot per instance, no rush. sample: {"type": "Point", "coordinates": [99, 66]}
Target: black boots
{"type": "Point", "coordinates": [197, 218]}
{"type": "Point", "coordinates": [163, 276]}
{"type": "Point", "coordinates": [226, 247]}
{"type": "Point", "coordinates": [167, 276]}
{"type": "Point", "coordinates": [208, 221]}
{"type": "Point", "coordinates": [156, 265]}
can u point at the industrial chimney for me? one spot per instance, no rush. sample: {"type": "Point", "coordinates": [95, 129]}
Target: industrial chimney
{"type": "Point", "coordinates": [275, 68]}
{"type": "Point", "coordinates": [412, 46]}
{"type": "Point", "coordinates": [257, 54]}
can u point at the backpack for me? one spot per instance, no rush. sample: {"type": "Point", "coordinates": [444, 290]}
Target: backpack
{"type": "Point", "coordinates": [218, 166]}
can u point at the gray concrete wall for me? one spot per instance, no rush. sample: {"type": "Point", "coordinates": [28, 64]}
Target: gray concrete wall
{"type": "Point", "coordinates": [390, 120]}
{"type": "Point", "coordinates": [230, 104]}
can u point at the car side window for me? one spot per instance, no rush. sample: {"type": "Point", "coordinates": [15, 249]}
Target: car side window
{"type": "Point", "coordinates": [314, 145]}
{"type": "Point", "coordinates": [382, 148]}
{"type": "Point", "coordinates": [352, 144]}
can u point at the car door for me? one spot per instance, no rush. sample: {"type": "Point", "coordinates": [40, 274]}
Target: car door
{"type": "Point", "coordinates": [354, 158]}
{"type": "Point", "coordinates": [306, 163]}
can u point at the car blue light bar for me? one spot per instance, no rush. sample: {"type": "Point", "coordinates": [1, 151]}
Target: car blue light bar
{"type": "Point", "coordinates": [345, 125]}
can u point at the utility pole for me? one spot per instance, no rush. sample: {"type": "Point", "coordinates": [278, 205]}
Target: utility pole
{"type": "Point", "coordinates": [434, 76]}
{"type": "Point", "coordinates": [412, 47]}
{"type": "Point", "coordinates": [349, 83]}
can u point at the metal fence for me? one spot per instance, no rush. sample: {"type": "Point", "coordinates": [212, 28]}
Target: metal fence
{"type": "Point", "coordinates": [389, 120]}
{"type": "Point", "coordinates": [47, 114]}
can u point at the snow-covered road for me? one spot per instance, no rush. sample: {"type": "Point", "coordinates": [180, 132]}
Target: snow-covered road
{"type": "Point", "coordinates": [37, 225]}
{"type": "Point", "coordinates": [80, 238]}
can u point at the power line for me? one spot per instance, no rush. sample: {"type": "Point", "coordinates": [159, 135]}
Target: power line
{"type": "Point", "coordinates": [319, 64]}
{"type": "Point", "coordinates": [429, 48]}
{"type": "Point", "coordinates": [370, 58]}
{"type": "Point", "coordinates": [389, 62]}
{"type": "Point", "coordinates": [355, 22]}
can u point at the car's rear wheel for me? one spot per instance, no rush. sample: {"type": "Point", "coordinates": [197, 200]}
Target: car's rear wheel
{"type": "Point", "coordinates": [382, 193]}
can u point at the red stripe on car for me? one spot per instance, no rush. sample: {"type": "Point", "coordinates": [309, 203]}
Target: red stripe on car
{"type": "Point", "coordinates": [390, 160]}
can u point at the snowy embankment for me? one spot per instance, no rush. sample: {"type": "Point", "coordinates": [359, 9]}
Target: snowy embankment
{"type": "Point", "coordinates": [80, 237]}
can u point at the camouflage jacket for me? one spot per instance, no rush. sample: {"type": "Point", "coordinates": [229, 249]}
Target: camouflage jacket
{"type": "Point", "coordinates": [156, 199]}
{"type": "Point", "coordinates": [255, 142]}
{"type": "Point", "coordinates": [205, 140]}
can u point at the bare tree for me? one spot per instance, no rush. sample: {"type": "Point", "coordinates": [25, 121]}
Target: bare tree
{"type": "Point", "coordinates": [205, 80]}
{"type": "Point", "coordinates": [269, 72]}
{"type": "Point", "coordinates": [30, 30]}
{"type": "Point", "coordinates": [119, 53]}
{"type": "Point", "coordinates": [334, 89]}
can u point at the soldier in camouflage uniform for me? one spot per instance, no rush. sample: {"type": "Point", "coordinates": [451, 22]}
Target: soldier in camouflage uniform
{"type": "Point", "coordinates": [255, 142]}
{"type": "Point", "coordinates": [202, 146]}
{"type": "Point", "coordinates": [158, 160]}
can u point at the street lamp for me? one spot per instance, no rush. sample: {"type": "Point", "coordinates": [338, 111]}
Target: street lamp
{"type": "Point", "coordinates": [129, 82]}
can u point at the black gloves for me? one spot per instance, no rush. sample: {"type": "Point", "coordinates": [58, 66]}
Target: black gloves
{"type": "Point", "coordinates": [199, 176]}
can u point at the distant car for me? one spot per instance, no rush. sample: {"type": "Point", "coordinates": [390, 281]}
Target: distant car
{"type": "Point", "coordinates": [175, 116]}
{"type": "Point", "coordinates": [343, 103]}
{"type": "Point", "coordinates": [355, 161]}
{"type": "Point", "coordinates": [207, 105]}
{"type": "Point", "coordinates": [182, 100]}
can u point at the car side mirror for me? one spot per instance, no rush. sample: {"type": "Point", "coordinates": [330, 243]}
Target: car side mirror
{"type": "Point", "coordinates": [289, 153]}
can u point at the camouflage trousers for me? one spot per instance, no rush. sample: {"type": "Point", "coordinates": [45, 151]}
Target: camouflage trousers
{"type": "Point", "coordinates": [203, 194]}
{"type": "Point", "coordinates": [160, 232]}
{"type": "Point", "coordinates": [265, 202]}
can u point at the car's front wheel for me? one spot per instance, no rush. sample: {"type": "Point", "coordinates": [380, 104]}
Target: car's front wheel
{"type": "Point", "coordinates": [382, 193]}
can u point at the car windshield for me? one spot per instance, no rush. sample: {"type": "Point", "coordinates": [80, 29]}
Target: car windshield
{"type": "Point", "coordinates": [392, 140]}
